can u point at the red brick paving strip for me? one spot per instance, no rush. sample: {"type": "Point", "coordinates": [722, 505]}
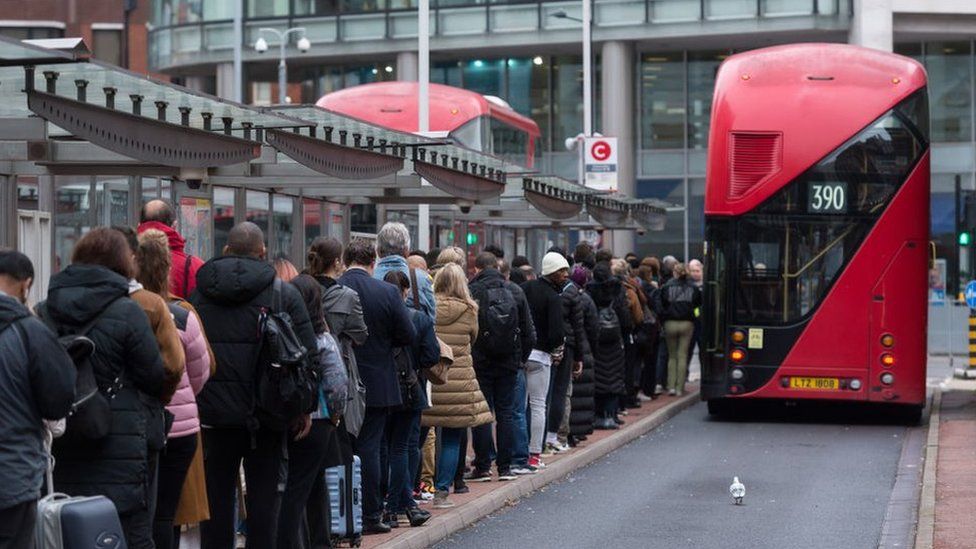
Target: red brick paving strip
{"type": "Point", "coordinates": [955, 496]}
{"type": "Point", "coordinates": [480, 502]}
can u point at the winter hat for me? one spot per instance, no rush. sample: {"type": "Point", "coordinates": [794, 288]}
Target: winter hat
{"type": "Point", "coordinates": [553, 262]}
{"type": "Point", "coordinates": [581, 275]}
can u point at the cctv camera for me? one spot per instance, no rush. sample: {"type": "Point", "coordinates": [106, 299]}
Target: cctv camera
{"type": "Point", "coordinates": [193, 177]}
{"type": "Point", "coordinates": [466, 208]}
{"type": "Point", "coordinates": [261, 45]}
{"type": "Point", "coordinates": [194, 184]}
{"type": "Point", "coordinates": [641, 232]}
{"type": "Point", "coordinates": [304, 44]}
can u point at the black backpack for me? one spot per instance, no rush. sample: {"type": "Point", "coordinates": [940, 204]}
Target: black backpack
{"type": "Point", "coordinates": [406, 376]}
{"type": "Point", "coordinates": [288, 386]}
{"type": "Point", "coordinates": [498, 323]}
{"type": "Point", "coordinates": [609, 324]}
{"type": "Point", "coordinates": [90, 417]}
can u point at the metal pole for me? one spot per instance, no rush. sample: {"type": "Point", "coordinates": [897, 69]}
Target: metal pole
{"type": "Point", "coordinates": [587, 71]}
{"type": "Point", "coordinates": [423, 107]}
{"type": "Point", "coordinates": [282, 75]}
{"type": "Point", "coordinates": [238, 44]}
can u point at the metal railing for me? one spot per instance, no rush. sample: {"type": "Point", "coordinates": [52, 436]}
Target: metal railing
{"type": "Point", "coordinates": [365, 21]}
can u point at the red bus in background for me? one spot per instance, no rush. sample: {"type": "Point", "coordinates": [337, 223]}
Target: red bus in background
{"type": "Point", "coordinates": [817, 229]}
{"type": "Point", "coordinates": [479, 122]}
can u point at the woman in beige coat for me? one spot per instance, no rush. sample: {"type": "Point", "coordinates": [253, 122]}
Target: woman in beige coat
{"type": "Point", "coordinates": [458, 404]}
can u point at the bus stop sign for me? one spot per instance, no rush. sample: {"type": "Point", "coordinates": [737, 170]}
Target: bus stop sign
{"type": "Point", "coordinates": [970, 294]}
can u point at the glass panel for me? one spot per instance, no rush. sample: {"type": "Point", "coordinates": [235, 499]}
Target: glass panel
{"type": "Point", "coordinates": [267, 8]}
{"type": "Point", "coordinates": [485, 76]}
{"type": "Point", "coordinates": [573, 15]}
{"type": "Point", "coordinates": [567, 83]}
{"type": "Point", "coordinates": [949, 67]}
{"type": "Point", "coordinates": [357, 6]}
{"type": "Point", "coordinates": [257, 210]}
{"type": "Point", "coordinates": [514, 18]}
{"type": "Point", "coordinates": [729, 9]}
{"type": "Point", "coordinates": [217, 9]}
{"type": "Point", "coordinates": [618, 12]}
{"type": "Point", "coordinates": [284, 207]}
{"type": "Point", "coordinates": [774, 8]}
{"type": "Point", "coordinates": [166, 189]}
{"type": "Point", "coordinates": [174, 12]}
{"type": "Point", "coordinates": [446, 73]}
{"type": "Point", "coordinates": [28, 192]}
{"type": "Point", "coordinates": [112, 199]}
{"type": "Point", "coordinates": [218, 36]}
{"type": "Point", "coordinates": [312, 216]}
{"type": "Point", "coordinates": [702, 67]}
{"type": "Point", "coordinates": [362, 218]}
{"type": "Point", "coordinates": [662, 101]}
{"type": "Point", "coordinates": [195, 218]}
{"type": "Point", "coordinates": [792, 248]}
{"type": "Point", "coordinates": [186, 39]}
{"type": "Point", "coordinates": [664, 162]}
{"type": "Point", "coordinates": [316, 7]}
{"type": "Point", "coordinates": [150, 189]}
{"type": "Point", "coordinates": [363, 27]}
{"type": "Point", "coordinates": [528, 91]}
{"type": "Point", "coordinates": [509, 142]}
{"type": "Point", "coordinates": [223, 217]}
{"type": "Point", "coordinates": [334, 220]}
{"type": "Point", "coordinates": [455, 21]}
{"type": "Point", "coordinates": [672, 11]}
{"type": "Point", "coordinates": [72, 215]}
{"type": "Point", "coordinates": [403, 25]}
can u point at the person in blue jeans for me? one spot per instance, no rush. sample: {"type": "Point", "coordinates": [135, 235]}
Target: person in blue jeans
{"type": "Point", "coordinates": [520, 428]}
{"type": "Point", "coordinates": [459, 403]}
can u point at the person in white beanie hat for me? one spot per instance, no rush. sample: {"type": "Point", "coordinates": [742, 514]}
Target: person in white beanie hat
{"type": "Point", "coordinates": [545, 303]}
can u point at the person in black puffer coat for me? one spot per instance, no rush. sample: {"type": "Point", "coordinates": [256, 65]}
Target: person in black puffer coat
{"type": "Point", "coordinates": [605, 289]}
{"type": "Point", "coordinates": [232, 291]}
{"type": "Point", "coordinates": [96, 285]}
{"type": "Point", "coordinates": [581, 403]}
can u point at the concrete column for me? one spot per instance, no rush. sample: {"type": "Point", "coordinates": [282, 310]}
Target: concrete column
{"type": "Point", "coordinates": [225, 81]}
{"type": "Point", "coordinates": [407, 63]}
{"type": "Point", "coordinates": [618, 108]}
{"type": "Point", "coordinates": [872, 24]}
{"type": "Point", "coordinates": [196, 83]}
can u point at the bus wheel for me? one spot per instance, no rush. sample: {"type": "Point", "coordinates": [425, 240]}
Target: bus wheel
{"type": "Point", "coordinates": [910, 415]}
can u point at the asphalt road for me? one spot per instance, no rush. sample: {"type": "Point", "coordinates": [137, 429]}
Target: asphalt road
{"type": "Point", "coordinates": [812, 482]}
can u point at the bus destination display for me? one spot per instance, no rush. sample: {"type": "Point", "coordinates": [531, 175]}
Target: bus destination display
{"type": "Point", "coordinates": [827, 197]}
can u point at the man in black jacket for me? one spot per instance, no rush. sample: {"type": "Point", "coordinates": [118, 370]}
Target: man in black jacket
{"type": "Point", "coordinates": [232, 293]}
{"type": "Point", "coordinates": [37, 379]}
{"type": "Point", "coordinates": [497, 366]}
{"type": "Point", "coordinates": [543, 295]}
{"type": "Point", "coordinates": [390, 326]}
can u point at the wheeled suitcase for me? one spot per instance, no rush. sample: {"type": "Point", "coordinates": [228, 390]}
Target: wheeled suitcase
{"type": "Point", "coordinates": [344, 484]}
{"type": "Point", "coordinates": [65, 522]}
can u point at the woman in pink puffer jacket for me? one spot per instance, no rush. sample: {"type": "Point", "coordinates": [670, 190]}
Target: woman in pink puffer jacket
{"type": "Point", "coordinates": [153, 257]}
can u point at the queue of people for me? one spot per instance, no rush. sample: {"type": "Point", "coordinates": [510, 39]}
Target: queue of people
{"type": "Point", "coordinates": [402, 358]}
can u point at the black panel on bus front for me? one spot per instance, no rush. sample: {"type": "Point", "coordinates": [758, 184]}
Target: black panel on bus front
{"type": "Point", "coordinates": [772, 267]}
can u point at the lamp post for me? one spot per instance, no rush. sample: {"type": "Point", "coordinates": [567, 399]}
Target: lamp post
{"type": "Point", "coordinates": [423, 107]}
{"type": "Point", "coordinates": [587, 23]}
{"type": "Point", "coordinates": [261, 46]}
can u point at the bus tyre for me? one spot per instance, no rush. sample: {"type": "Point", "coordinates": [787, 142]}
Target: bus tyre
{"type": "Point", "coordinates": [911, 415]}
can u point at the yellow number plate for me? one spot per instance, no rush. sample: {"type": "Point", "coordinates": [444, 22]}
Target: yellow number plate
{"type": "Point", "coordinates": [815, 383]}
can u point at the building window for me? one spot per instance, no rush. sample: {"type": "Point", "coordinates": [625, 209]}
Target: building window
{"type": "Point", "coordinates": [32, 32]}
{"type": "Point", "coordinates": [702, 68]}
{"type": "Point", "coordinates": [949, 67]}
{"type": "Point", "coordinates": [567, 93]}
{"type": "Point", "coordinates": [107, 44]}
{"type": "Point", "coordinates": [266, 8]}
{"type": "Point", "coordinates": [662, 101]}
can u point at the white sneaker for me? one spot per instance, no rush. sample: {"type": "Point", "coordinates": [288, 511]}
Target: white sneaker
{"type": "Point", "coordinates": [643, 398]}
{"type": "Point", "coordinates": [672, 392]}
{"type": "Point", "coordinates": [522, 471]}
{"type": "Point", "coordinates": [558, 447]}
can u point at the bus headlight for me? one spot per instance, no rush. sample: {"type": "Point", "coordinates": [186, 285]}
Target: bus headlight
{"type": "Point", "coordinates": [855, 384]}
{"type": "Point", "coordinates": [738, 374]}
{"type": "Point", "coordinates": [887, 378]}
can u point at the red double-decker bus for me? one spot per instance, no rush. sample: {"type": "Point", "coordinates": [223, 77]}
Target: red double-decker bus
{"type": "Point", "coordinates": [817, 229]}
{"type": "Point", "coordinates": [479, 122]}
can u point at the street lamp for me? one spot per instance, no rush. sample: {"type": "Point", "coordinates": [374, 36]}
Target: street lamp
{"type": "Point", "coordinates": [261, 46]}
{"type": "Point", "coordinates": [587, 23]}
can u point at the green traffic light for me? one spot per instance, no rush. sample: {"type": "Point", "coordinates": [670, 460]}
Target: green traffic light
{"type": "Point", "coordinates": [472, 239]}
{"type": "Point", "coordinates": [964, 239]}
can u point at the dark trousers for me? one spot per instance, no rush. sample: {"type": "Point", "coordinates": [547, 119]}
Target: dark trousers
{"type": "Point", "coordinates": [137, 526]}
{"type": "Point", "coordinates": [223, 452]}
{"type": "Point", "coordinates": [306, 462]}
{"type": "Point", "coordinates": [462, 457]}
{"type": "Point", "coordinates": [662, 363]}
{"type": "Point", "coordinates": [632, 361]}
{"type": "Point", "coordinates": [368, 447]}
{"type": "Point", "coordinates": [17, 525]}
{"type": "Point", "coordinates": [174, 461]}
{"type": "Point", "coordinates": [695, 340]}
{"type": "Point", "coordinates": [403, 442]}
{"type": "Point", "coordinates": [606, 405]}
{"type": "Point", "coordinates": [559, 377]}
{"type": "Point", "coordinates": [498, 386]}
{"type": "Point", "coordinates": [648, 379]}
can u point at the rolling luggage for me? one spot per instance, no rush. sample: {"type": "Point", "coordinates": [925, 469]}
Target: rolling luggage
{"type": "Point", "coordinates": [65, 522]}
{"type": "Point", "coordinates": [344, 484]}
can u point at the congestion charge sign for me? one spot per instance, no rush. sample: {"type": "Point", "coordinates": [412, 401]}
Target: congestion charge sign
{"type": "Point", "coordinates": [600, 163]}
{"type": "Point", "coordinates": [970, 294]}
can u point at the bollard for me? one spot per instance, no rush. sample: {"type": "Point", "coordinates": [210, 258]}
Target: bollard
{"type": "Point", "coordinates": [969, 372]}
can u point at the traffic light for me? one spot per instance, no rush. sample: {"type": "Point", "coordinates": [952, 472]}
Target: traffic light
{"type": "Point", "coordinates": [964, 238]}
{"type": "Point", "coordinates": [472, 239]}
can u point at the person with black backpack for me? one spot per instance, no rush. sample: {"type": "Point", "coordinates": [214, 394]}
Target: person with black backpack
{"type": "Point", "coordinates": [37, 378]}
{"type": "Point", "coordinates": [505, 339]}
{"type": "Point", "coordinates": [258, 327]}
{"type": "Point", "coordinates": [605, 289]}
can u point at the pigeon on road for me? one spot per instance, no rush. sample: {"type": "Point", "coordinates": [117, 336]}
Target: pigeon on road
{"type": "Point", "coordinates": [737, 491]}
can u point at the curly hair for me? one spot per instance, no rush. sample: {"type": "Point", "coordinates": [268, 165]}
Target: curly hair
{"type": "Point", "coordinates": [154, 260]}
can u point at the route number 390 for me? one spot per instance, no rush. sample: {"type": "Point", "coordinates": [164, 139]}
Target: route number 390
{"type": "Point", "coordinates": [827, 198]}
